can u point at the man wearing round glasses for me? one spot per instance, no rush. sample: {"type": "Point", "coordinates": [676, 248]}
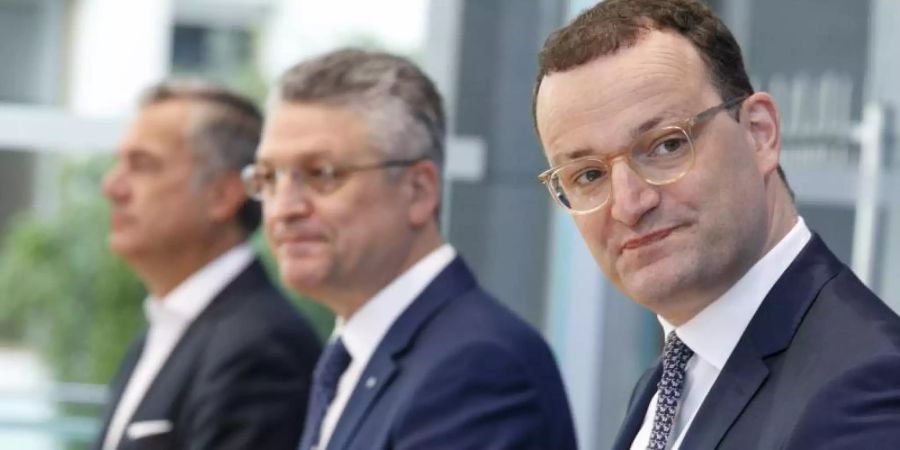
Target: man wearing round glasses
{"type": "Point", "coordinates": [668, 162]}
{"type": "Point", "coordinates": [349, 175]}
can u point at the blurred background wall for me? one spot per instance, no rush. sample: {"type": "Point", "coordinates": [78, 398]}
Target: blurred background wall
{"type": "Point", "coordinates": [71, 71]}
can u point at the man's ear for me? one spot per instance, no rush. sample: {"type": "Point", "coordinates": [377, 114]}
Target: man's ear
{"type": "Point", "coordinates": [227, 195]}
{"type": "Point", "coordinates": [425, 192]}
{"type": "Point", "coordinates": [760, 114]}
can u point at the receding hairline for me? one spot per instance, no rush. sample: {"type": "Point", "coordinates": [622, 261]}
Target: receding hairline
{"type": "Point", "coordinates": [201, 92]}
{"type": "Point", "coordinates": [645, 31]}
{"type": "Point", "coordinates": [197, 113]}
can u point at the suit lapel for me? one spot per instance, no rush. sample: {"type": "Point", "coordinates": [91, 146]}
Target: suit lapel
{"type": "Point", "coordinates": [637, 408]}
{"type": "Point", "coordinates": [166, 392]}
{"type": "Point", "coordinates": [741, 377]}
{"type": "Point", "coordinates": [374, 380]}
{"type": "Point", "coordinates": [769, 333]}
{"type": "Point", "coordinates": [382, 369]}
{"type": "Point", "coordinates": [132, 356]}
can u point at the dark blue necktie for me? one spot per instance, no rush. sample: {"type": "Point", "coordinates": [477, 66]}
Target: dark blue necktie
{"type": "Point", "coordinates": [675, 357]}
{"type": "Point", "coordinates": [329, 368]}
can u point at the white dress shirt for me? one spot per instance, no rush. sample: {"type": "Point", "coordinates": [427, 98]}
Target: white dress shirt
{"type": "Point", "coordinates": [364, 331]}
{"type": "Point", "coordinates": [168, 318]}
{"type": "Point", "coordinates": [714, 332]}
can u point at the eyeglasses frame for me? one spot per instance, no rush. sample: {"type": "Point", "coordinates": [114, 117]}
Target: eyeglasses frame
{"type": "Point", "coordinates": [332, 171]}
{"type": "Point", "coordinates": [686, 126]}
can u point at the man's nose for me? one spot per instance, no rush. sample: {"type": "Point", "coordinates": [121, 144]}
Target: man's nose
{"type": "Point", "coordinates": [288, 201]}
{"type": "Point", "coordinates": [113, 186]}
{"type": "Point", "coordinates": [632, 196]}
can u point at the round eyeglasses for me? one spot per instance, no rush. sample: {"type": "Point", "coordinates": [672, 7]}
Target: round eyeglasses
{"type": "Point", "coordinates": [659, 156]}
{"type": "Point", "coordinates": [262, 181]}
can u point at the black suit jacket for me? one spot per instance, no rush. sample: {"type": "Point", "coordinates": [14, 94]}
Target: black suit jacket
{"type": "Point", "coordinates": [457, 371]}
{"type": "Point", "coordinates": [237, 379]}
{"type": "Point", "coordinates": [818, 367]}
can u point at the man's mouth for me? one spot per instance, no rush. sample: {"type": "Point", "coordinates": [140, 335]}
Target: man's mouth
{"type": "Point", "coordinates": [118, 219]}
{"type": "Point", "coordinates": [299, 244]}
{"type": "Point", "coordinates": [647, 239]}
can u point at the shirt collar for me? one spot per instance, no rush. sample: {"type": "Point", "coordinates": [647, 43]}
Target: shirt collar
{"type": "Point", "coordinates": [362, 334]}
{"type": "Point", "coordinates": [184, 303]}
{"type": "Point", "coordinates": [714, 332]}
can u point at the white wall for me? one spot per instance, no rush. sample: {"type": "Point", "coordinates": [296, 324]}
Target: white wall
{"type": "Point", "coordinates": [119, 48]}
{"type": "Point", "coordinates": [297, 29]}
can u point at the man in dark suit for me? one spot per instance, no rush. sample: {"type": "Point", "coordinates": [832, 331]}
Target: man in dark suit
{"type": "Point", "coordinates": [669, 162]}
{"type": "Point", "coordinates": [349, 174]}
{"type": "Point", "coordinates": [226, 360]}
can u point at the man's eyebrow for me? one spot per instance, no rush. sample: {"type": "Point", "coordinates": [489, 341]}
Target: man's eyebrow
{"type": "Point", "coordinates": [138, 152]}
{"type": "Point", "coordinates": [665, 116]}
{"type": "Point", "coordinates": [574, 154]}
{"type": "Point", "coordinates": [646, 126]}
{"type": "Point", "coordinates": [292, 158]}
{"type": "Point", "coordinates": [634, 134]}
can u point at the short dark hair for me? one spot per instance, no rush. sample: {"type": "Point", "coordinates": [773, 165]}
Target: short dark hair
{"type": "Point", "coordinates": [223, 136]}
{"type": "Point", "coordinates": [403, 107]}
{"type": "Point", "coordinates": [615, 24]}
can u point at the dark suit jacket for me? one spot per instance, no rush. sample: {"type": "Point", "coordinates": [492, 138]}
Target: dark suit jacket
{"type": "Point", "coordinates": [237, 379]}
{"type": "Point", "coordinates": [817, 368]}
{"type": "Point", "coordinates": [457, 371]}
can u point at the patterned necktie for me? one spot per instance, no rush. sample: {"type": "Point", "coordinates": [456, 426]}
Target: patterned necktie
{"type": "Point", "coordinates": [329, 368]}
{"type": "Point", "coordinates": [675, 358]}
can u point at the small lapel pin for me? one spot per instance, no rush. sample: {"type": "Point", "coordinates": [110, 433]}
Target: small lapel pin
{"type": "Point", "coordinates": [370, 382]}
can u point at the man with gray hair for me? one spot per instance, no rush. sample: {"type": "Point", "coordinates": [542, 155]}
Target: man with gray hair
{"type": "Point", "coordinates": [226, 361]}
{"type": "Point", "coordinates": [349, 175]}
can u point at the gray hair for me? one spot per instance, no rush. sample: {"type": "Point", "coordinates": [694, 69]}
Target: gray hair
{"type": "Point", "coordinates": [401, 104]}
{"type": "Point", "coordinates": [223, 134]}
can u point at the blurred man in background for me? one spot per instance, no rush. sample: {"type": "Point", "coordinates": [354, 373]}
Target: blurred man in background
{"type": "Point", "coordinates": [349, 173]}
{"type": "Point", "coordinates": [669, 162]}
{"type": "Point", "coordinates": [226, 361]}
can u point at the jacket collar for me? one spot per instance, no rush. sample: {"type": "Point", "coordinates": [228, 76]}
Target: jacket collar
{"type": "Point", "coordinates": [452, 282]}
{"type": "Point", "coordinates": [768, 334]}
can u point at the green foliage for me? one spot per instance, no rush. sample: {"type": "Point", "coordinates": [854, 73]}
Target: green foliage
{"type": "Point", "coordinates": [63, 292]}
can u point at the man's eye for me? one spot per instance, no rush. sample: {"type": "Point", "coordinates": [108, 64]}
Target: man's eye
{"type": "Point", "coordinates": [670, 146]}
{"type": "Point", "coordinates": [142, 163]}
{"type": "Point", "coordinates": [316, 172]}
{"type": "Point", "coordinates": [266, 176]}
{"type": "Point", "coordinates": [322, 172]}
{"type": "Point", "coordinates": [588, 176]}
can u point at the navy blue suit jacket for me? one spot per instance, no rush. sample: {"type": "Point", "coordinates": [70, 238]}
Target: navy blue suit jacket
{"type": "Point", "coordinates": [817, 368]}
{"type": "Point", "coordinates": [457, 371]}
{"type": "Point", "coordinates": [238, 378]}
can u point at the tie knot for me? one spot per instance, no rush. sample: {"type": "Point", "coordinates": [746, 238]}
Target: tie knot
{"type": "Point", "coordinates": [676, 353]}
{"type": "Point", "coordinates": [331, 365]}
